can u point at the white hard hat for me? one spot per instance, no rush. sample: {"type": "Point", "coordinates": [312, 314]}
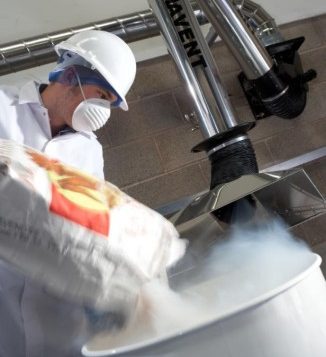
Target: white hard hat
{"type": "Point", "coordinates": [108, 54]}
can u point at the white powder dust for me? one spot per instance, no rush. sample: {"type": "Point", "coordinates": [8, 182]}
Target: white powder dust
{"type": "Point", "coordinates": [246, 265]}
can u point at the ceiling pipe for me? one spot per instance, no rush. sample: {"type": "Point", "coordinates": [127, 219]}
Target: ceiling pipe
{"type": "Point", "coordinates": [36, 51]}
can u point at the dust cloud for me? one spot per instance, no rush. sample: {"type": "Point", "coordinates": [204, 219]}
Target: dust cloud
{"type": "Point", "coordinates": [251, 262]}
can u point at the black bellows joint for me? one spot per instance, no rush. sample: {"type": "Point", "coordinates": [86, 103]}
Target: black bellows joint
{"type": "Point", "coordinates": [228, 164]}
{"type": "Point", "coordinates": [282, 95]}
{"type": "Point", "coordinates": [232, 162]}
{"type": "Point", "coordinates": [282, 90]}
{"type": "Point", "coordinates": [269, 85]}
{"type": "Point", "coordinates": [290, 104]}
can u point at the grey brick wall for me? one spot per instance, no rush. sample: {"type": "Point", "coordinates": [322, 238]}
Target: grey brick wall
{"type": "Point", "coordinates": [147, 149]}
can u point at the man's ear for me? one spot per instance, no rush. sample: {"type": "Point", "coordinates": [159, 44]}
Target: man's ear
{"type": "Point", "coordinates": [68, 76]}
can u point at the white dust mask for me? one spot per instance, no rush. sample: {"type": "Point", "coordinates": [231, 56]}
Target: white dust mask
{"type": "Point", "coordinates": [91, 114]}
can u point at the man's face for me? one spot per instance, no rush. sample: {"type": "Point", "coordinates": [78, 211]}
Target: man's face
{"type": "Point", "coordinates": [73, 97]}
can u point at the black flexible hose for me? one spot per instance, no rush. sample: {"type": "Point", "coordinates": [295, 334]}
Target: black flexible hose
{"type": "Point", "coordinates": [228, 164]}
{"type": "Point", "coordinates": [232, 162]}
{"type": "Point", "coordinates": [281, 94]}
{"type": "Point", "coordinates": [290, 104]}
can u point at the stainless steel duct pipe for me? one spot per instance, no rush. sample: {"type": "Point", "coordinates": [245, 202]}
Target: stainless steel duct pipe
{"type": "Point", "coordinates": [257, 19]}
{"type": "Point", "coordinates": [261, 23]}
{"type": "Point", "coordinates": [251, 55]}
{"type": "Point", "coordinates": [196, 65]}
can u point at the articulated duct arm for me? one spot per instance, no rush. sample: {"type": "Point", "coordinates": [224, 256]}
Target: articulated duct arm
{"type": "Point", "coordinates": [227, 145]}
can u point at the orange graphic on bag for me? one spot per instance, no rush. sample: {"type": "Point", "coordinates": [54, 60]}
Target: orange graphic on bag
{"type": "Point", "coordinates": [77, 196]}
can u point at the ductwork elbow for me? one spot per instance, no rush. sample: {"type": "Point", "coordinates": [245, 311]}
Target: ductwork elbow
{"type": "Point", "coordinates": [281, 91]}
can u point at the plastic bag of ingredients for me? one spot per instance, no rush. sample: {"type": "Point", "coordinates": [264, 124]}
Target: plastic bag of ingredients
{"type": "Point", "coordinates": [81, 238]}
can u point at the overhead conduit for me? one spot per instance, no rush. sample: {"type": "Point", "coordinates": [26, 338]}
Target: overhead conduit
{"type": "Point", "coordinates": [35, 51]}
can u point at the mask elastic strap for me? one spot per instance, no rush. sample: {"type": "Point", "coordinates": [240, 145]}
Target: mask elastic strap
{"type": "Point", "coordinates": [79, 83]}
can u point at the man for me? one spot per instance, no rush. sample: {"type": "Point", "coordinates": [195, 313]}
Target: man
{"type": "Point", "coordinates": [94, 73]}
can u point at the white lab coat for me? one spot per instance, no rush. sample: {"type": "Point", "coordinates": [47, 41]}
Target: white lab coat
{"type": "Point", "coordinates": [32, 322]}
{"type": "Point", "coordinates": [25, 120]}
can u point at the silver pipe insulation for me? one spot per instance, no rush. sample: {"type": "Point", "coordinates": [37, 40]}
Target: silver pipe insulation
{"type": "Point", "coordinates": [195, 62]}
{"type": "Point", "coordinates": [246, 48]}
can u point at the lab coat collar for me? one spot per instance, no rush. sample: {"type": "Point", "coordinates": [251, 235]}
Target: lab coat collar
{"type": "Point", "coordinates": [30, 93]}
